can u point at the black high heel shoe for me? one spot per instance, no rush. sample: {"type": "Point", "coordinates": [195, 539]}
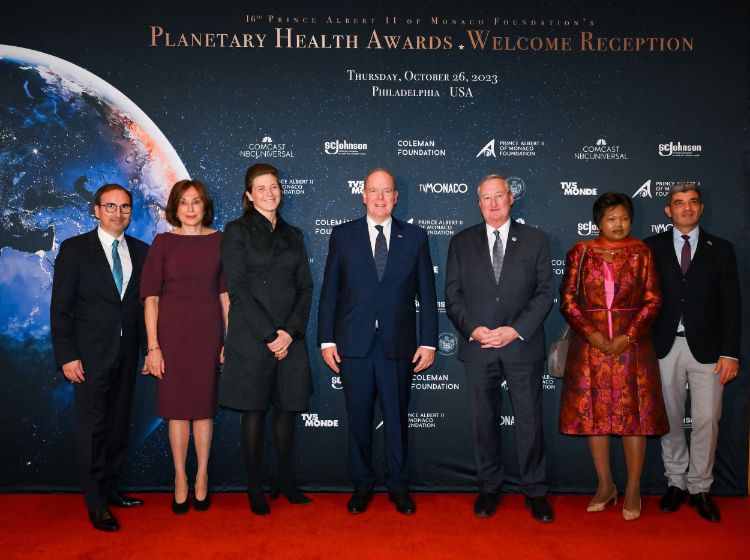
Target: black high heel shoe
{"type": "Point", "coordinates": [202, 505]}
{"type": "Point", "coordinates": [180, 508]}
{"type": "Point", "coordinates": [258, 503]}
{"type": "Point", "coordinates": [290, 493]}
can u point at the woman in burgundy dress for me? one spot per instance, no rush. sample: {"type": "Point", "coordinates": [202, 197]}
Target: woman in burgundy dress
{"type": "Point", "coordinates": [612, 384]}
{"type": "Point", "coordinates": [186, 306]}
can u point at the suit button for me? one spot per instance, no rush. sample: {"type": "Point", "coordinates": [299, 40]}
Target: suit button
{"type": "Point", "coordinates": [497, 299]}
{"type": "Point", "coordinates": [682, 300]}
{"type": "Point", "coordinates": [684, 279]}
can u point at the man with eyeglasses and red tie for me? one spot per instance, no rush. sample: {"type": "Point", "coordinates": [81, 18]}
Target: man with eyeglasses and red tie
{"type": "Point", "coordinates": [97, 331]}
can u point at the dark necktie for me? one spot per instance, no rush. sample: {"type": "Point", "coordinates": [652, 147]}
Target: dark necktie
{"type": "Point", "coordinates": [685, 256]}
{"type": "Point", "coordinates": [117, 266]}
{"type": "Point", "coordinates": [497, 256]}
{"type": "Point", "coordinates": [381, 252]}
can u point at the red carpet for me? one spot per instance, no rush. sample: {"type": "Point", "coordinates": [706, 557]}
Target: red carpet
{"type": "Point", "coordinates": [56, 526]}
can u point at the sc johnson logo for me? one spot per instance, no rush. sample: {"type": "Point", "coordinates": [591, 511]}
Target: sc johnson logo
{"type": "Point", "coordinates": [600, 150]}
{"type": "Point", "coordinates": [440, 304]}
{"type": "Point", "coordinates": [344, 148]}
{"type": "Point", "coordinates": [571, 188]}
{"type": "Point", "coordinates": [587, 229]}
{"type": "Point", "coordinates": [312, 421]}
{"type": "Point", "coordinates": [680, 150]}
{"type": "Point", "coordinates": [444, 188]}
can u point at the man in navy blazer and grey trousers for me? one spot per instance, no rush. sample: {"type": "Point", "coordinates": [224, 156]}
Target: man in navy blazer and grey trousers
{"type": "Point", "coordinates": [367, 330]}
{"type": "Point", "coordinates": [498, 290]}
{"type": "Point", "coordinates": [697, 340]}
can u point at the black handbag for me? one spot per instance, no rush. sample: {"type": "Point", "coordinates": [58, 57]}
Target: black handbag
{"type": "Point", "coordinates": [558, 350]}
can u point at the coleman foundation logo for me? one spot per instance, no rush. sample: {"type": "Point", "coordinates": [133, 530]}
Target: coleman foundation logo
{"type": "Point", "coordinates": [679, 150]}
{"type": "Point", "coordinates": [344, 148]}
{"type": "Point", "coordinates": [600, 150]}
{"type": "Point", "coordinates": [571, 188]}
{"type": "Point", "coordinates": [418, 148]}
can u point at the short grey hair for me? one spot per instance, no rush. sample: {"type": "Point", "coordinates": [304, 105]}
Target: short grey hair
{"type": "Point", "coordinates": [684, 187]}
{"type": "Point", "coordinates": [381, 170]}
{"type": "Point", "coordinates": [489, 178]}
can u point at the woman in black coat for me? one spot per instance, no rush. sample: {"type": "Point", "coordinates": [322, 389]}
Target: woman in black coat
{"type": "Point", "coordinates": [266, 361]}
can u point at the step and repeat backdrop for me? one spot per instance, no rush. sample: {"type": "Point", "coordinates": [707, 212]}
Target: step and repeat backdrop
{"type": "Point", "coordinates": [567, 100]}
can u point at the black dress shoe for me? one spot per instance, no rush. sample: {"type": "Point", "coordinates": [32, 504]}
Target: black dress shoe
{"type": "Point", "coordinates": [180, 508]}
{"type": "Point", "coordinates": [202, 505]}
{"type": "Point", "coordinates": [486, 504]}
{"type": "Point", "coordinates": [258, 503]}
{"type": "Point", "coordinates": [104, 521]}
{"type": "Point", "coordinates": [706, 507]}
{"type": "Point", "coordinates": [540, 508]}
{"type": "Point", "coordinates": [359, 501]}
{"type": "Point", "coordinates": [403, 501]}
{"type": "Point", "coordinates": [293, 495]}
{"type": "Point", "coordinates": [123, 501]}
{"type": "Point", "coordinates": [673, 499]}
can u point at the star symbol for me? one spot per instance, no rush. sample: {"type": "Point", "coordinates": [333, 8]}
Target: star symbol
{"type": "Point", "coordinates": [460, 47]}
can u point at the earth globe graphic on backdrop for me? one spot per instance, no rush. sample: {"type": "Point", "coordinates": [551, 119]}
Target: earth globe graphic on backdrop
{"type": "Point", "coordinates": [63, 133]}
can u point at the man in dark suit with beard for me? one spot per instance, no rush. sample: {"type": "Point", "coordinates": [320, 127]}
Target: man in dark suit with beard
{"type": "Point", "coordinates": [498, 290]}
{"type": "Point", "coordinates": [697, 339]}
{"type": "Point", "coordinates": [97, 330]}
{"type": "Point", "coordinates": [367, 330]}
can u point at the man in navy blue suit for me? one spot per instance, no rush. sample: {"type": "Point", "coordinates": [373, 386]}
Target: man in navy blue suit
{"type": "Point", "coordinates": [367, 330]}
{"type": "Point", "coordinates": [498, 290]}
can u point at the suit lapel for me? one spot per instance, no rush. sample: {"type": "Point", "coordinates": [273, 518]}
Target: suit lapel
{"type": "Point", "coordinates": [99, 259]}
{"type": "Point", "coordinates": [701, 251]}
{"type": "Point", "coordinates": [395, 246]}
{"type": "Point", "coordinates": [363, 247]}
{"type": "Point", "coordinates": [482, 246]}
{"type": "Point", "coordinates": [511, 248]}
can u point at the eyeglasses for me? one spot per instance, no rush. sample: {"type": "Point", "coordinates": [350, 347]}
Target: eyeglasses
{"type": "Point", "coordinates": [111, 207]}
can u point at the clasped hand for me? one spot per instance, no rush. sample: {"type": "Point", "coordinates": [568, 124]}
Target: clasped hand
{"type": "Point", "coordinates": [612, 348]}
{"type": "Point", "coordinates": [280, 346]}
{"type": "Point", "coordinates": [494, 338]}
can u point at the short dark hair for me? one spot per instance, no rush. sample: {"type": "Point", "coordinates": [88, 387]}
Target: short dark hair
{"type": "Point", "coordinates": [179, 188]}
{"type": "Point", "coordinates": [610, 200]}
{"type": "Point", "coordinates": [251, 174]}
{"type": "Point", "coordinates": [381, 170]}
{"type": "Point", "coordinates": [684, 187]}
{"type": "Point", "coordinates": [111, 187]}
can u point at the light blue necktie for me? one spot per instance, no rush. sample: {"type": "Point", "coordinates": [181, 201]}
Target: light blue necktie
{"type": "Point", "coordinates": [117, 266]}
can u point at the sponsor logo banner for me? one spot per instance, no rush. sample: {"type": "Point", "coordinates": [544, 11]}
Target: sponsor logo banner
{"type": "Point", "coordinates": [571, 188]}
{"type": "Point", "coordinates": [677, 149]}
{"type": "Point", "coordinates": [344, 148]}
{"type": "Point", "coordinates": [510, 148]}
{"type": "Point", "coordinates": [418, 148]}
{"type": "Point", "coordinates": [267, 148]}
{"type": "Point", "coordinates": [313, 421]}
{"type": "Point", "coordinates": [600, 150]}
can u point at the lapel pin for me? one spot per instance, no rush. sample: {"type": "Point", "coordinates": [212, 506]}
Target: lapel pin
{"type": "Point", "coordinates": [709, 243]}
{"type": "Point", "coordinates": [514, 238]}
{"type": "Point", "coordinates": [399, 236]}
